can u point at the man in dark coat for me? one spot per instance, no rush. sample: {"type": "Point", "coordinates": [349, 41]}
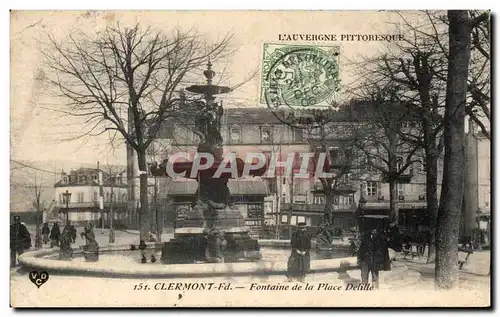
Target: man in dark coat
{"type": "Point", "coordinates": [299, 261]}
{"type": "Point", "coordinates": [45, 233]}
{"type": "Point", "coordinates": [73, 232]}
{"type": "Point", "coordinates": [20, 240]}
{"type": "Point", "coordinates": [373, 256]}
{"type": "Point", "coordinates": [55, 235]}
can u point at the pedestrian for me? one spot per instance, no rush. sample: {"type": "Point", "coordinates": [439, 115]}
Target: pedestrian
{"type": "Point", "coordinates": [20, 240]}
{"type": "Point", "coordinates": [373, 256]}
{"type": "Point", "coordinates": [45, 233]}
{"type": "Point", "coordinates": [88, 233]}
{"type": "Point", "coordinates": [299, 261]}
{"type": "Point", "coordinates": [55, 235]}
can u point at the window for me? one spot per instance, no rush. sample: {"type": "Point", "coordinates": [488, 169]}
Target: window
{"type": "Point", "coordinates": [297, 134]}
{"type": "Point", "coordinates": [61, 198]}
{"type": "Point", "coordinates": [80, 197]}
{"type": "Point", "coordinates": [319, 200]}
{"type": "Point", "coordinates": [107, 196]}
{"type": "Point", "coordinates": [401, 189]}
{"type": "Point", "coordinates": [81, 179]}
{"type": "Point", "coordinates": [65, 180]}
{"type": "Point", "coordinates": [96, 196]}
{"type": "Point", "coordinates": [334, 154]}
{"type": "Point", "coordinates": [235, 134]}
{"type": "Point", "coordinates": [336, 200]}
{"type": "Point", "coordinates": [124, 197]}
{"type": "Point", "coordinates": [95, 178]}
{"type": "Point", "coordinates": [348, 200]}
{"type": "Point", "coordinates": [371, 189]}
{"type": "Point", "coordinates": [265, 135]}
{"type": "Point", "coordinates": [299, 199]}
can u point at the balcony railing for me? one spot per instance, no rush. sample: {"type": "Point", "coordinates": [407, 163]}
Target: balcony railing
{"type": "Point", "coordinates": [345, 189]}
{"type": "Point", "coordinates": [88, 204]}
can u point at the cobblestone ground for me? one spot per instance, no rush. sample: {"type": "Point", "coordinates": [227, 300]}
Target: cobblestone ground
{"type": "Point", "coordinates": [327, 289]}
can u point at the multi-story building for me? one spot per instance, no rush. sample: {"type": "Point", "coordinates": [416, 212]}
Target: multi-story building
{"type": "Point", "coordinates": [289, 200]}
{"type": "Point", "coordinates": [477, 200]}
{"type": "Point", "coordinates": [78, 197]}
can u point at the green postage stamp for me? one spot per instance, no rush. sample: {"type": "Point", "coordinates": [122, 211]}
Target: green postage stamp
{"type": "Point", "coordinates": [299, 76]}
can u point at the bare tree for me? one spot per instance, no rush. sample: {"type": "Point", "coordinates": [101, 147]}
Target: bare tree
{"type": "Point", "coordinates": [328, 134]}
{"type": "Point", "coordinates": [383, 117]}
{"type": "Point", "coordinates": [125, 81]}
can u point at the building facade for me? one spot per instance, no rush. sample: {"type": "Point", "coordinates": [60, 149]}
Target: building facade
{"type": "Point", "coordinates": [77, 196]}
{"type": "Point", "coordinates": [290, 200]}
{"type": "Point", "coordinates": [477, 200]}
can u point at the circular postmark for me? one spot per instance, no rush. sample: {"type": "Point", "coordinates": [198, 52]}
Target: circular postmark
{"type": "Point", "coordinates": [300, 77]}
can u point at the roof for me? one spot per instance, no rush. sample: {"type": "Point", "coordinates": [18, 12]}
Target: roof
{"type": "Point", "coordinates": [236, 188]}
{"type": "Point", "coordinates": [89, 179]}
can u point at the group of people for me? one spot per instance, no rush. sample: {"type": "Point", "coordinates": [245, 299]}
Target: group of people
{"type": "Point", "coordinates": [20, 240]}
{"type": "Point", "coordinates": [54, 235]}
{"type": "Point", "coordinates": [372, 254]}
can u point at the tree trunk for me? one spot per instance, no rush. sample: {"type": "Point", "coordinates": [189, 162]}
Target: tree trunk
{"type": "Point", "coordinates": [393, 201]}
{"type": "Point", "coordinates": [144, 217]}
{"type": "Point", "coordinates": [432, 200]}
{"type": "Point", "coordinates": [393, 170]}
{"type": "Point", "coordinates": [327, 216]}
{"type": "Point", "coordinates": [452, 192]}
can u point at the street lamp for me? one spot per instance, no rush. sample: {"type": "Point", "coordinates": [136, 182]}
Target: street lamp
{"type": "Point", "coordinates": [67, 197]}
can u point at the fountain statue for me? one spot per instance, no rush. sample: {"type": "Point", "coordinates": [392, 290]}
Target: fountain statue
{"type": "Point", "coordinates": [91, 248]}
{"type": "Point", "coordinates": [216, 229]}
{"type": "Point", "coordinates": [65, 250]}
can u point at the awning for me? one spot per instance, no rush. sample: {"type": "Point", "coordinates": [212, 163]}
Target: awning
{"type": "Point", "coordinates": [236, 188]}
{"type": "Point", "coordinates": [401, 205]}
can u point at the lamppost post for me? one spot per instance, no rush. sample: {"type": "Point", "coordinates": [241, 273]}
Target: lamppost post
{"type": "Point", "coordinates": [67, 197]}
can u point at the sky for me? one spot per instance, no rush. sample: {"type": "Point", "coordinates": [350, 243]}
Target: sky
{"type": "Point", "coordinates": [36, 132]}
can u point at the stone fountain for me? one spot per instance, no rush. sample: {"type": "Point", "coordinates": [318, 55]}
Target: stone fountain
{"type": "Point", "coordinates": [213, 230]}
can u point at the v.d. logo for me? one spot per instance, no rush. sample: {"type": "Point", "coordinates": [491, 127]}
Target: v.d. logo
{"type": "Point", "coordinates": [39, 278]}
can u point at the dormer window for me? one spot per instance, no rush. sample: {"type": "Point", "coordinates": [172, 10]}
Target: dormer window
{"type": "Point", "coordinates": [235, 134]}
{"type": "Point", "coordinates": [65, 179]}
{"type": "Point", "coordinates": [81, 179]}
{"type": "Point", "coordinates": [265, 135]}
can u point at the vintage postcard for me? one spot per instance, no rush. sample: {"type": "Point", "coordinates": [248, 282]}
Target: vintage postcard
{"type": "Point", "coordinates": [250, 159]}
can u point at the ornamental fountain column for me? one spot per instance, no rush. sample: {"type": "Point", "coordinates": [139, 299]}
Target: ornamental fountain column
{"type": "Point", "coordinates": [213, 230]}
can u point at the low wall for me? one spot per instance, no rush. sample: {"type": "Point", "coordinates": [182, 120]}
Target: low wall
{"type": "Point", "coordinates": [36, 260]}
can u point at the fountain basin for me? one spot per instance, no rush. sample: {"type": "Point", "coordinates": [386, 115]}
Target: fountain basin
{"type": "Point", "coordinates": [129, 267]}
